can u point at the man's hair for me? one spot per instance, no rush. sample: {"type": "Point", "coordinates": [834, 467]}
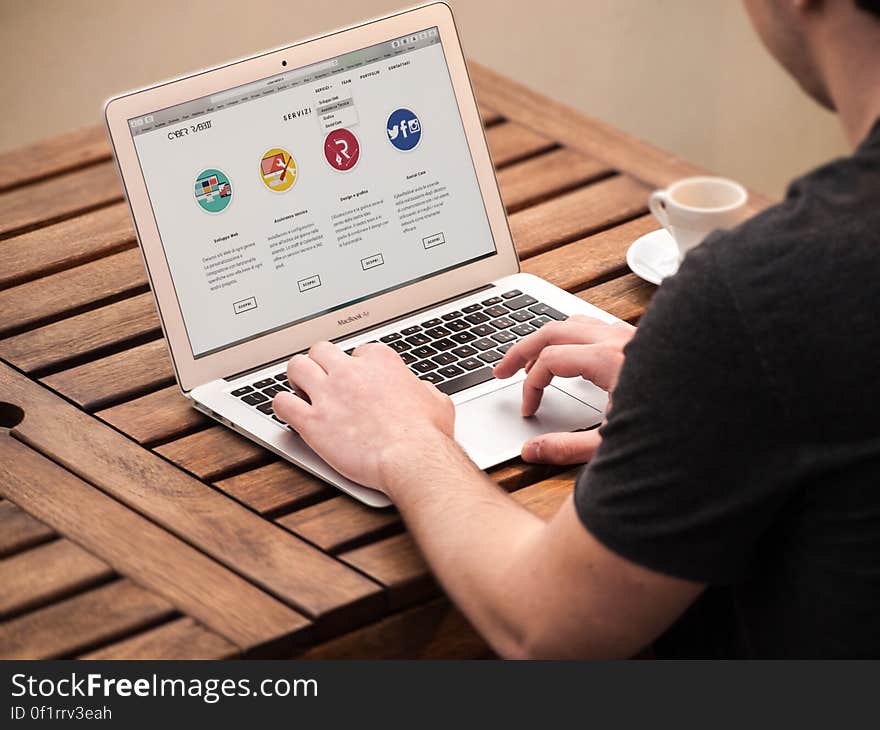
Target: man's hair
{"type": "Point", "coordinates": [870, 6]}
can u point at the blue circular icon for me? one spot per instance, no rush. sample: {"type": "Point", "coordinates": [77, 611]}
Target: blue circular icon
{"type": "Point", "coordinates": [404, 129]}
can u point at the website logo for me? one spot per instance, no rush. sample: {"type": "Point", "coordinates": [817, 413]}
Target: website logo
{"type": "Point", "coordinates": [404, 129]}
{"type": "Point", "coordinates": [342, 149]}
{"type": "Point", "coordinates": [213, 191]}
{"type": "Point", "coordinates": [278, 170]}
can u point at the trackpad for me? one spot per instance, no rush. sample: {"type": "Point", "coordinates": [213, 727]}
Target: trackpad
{"type": "Point", "coordinates": [491, 429]}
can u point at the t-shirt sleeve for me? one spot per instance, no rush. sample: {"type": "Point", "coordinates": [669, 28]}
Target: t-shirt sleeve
{"type": "Point", "coordinates": [691, 469]}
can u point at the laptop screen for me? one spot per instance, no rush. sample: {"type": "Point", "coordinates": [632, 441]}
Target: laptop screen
{"type": "Point", "coordinates": [313, 189]}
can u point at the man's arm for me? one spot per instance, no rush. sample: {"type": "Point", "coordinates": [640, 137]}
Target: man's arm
{"type": "Point", "coordinates": [531, 588]}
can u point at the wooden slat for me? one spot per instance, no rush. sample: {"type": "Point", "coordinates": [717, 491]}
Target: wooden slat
{"type": "Point", "coordinates": [275, 487]}
{"type": "Point", "coordinates": [511, 142]}
{"type": "Point", "coordinates": [66, 244]}
{"type": "Point", "coordinates": [124, 375]}
{"type": "Point", "coordinates": [53, 156]}
{"type": "Point", "coordinates": [574, 129]}
{"type": "Point", "coordinates": [71, 290]}
{"type": "Point", "coordinates": [182, 638]}
{"type": "Point", "coordinates": [578, 213]}
{"type": "Point", "coordinates": [397, 563]}
{"type": "Point", "coordinates": [60, 197]}
{"type": "Point", "coordinates": [47, 573]}
{"type": "Point", "coordinates": [158, 416]}
{"type": "Point", "coordinates": [626, 297]}
{"type": "Point", "coordinates": [589, 259]}
{"type": "Point", "coordinates": [543, 177]}
{"type": "Point", "coordinates": [18, 530]}
{"type": "Point", "coordinates": [434, 630]}
{"type": "Point", "coordinates": [109, 326]}
{"type": "Point", "coordinates": [516, 474]}
{"type": "Point", "coordinates": [337, 521]}
{"type": "Point", "coordinates": [136, 547]}
{"type": "Point", "coordinates": [213, 452]}
{"type": "Point", "coordinates": [289, 568]}
{"type": "Point", "coordinates": [78, 623]}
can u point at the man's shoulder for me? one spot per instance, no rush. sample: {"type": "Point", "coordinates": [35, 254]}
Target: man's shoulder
{"type": "Point", "coordinates": [802, 276]}
{"type": "Point", "coordinates": [824, 236]}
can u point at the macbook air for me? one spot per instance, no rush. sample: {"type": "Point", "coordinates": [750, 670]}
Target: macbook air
{"type": "Point", "coordinates": [340, 189]}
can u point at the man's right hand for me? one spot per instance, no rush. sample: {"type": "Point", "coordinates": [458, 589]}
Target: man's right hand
{"type": "Point", "coordinates": [578, 347]}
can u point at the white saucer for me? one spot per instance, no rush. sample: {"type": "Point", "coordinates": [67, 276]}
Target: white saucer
{"type": "Point", "coordinates": [653, 256]}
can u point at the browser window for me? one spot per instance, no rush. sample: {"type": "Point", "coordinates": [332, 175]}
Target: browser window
{"type": "Point", "coordinates": [311, 190]}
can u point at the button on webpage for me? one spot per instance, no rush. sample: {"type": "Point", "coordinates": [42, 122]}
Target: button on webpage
{"type": "Point", "coordinates": [371, 262]}
{"type": "Point", "coordinates": [245, 305]}
{"type": "Point", "coordinates": [434, 240]}
{"type": "Point", "coordinates": [310, 282]}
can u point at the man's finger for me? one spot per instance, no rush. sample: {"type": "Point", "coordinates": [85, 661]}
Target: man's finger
{"type": "Point", "coordinates": [327, 355]}
{"type": "Point", "coordinates": [305, 374]}
{"type": "Point", "coordinates": [567, 361]}
{"type": "Point", "coordinates": [587, 319]}
{"type": "Point", "coordinates": [291, 409]}
{"type": "Point", "coordinates": [562, 448]}
{"type": "Point", "coordinates": [375, 349]}
{"type": "Point", "coordinates": [573, 331]}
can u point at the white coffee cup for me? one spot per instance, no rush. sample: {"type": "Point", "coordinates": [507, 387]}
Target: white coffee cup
{"type": "Point", "coordinates": [692, 208]}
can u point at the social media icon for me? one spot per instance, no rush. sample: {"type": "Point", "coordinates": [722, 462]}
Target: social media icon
{"type": "Point", "coordinates": [342, 149]}
{"type": "Point", "coordinates": [404, 129]}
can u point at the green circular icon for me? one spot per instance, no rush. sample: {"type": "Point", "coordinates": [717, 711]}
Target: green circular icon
{"type": "Point", "coordinates": [213, 191]}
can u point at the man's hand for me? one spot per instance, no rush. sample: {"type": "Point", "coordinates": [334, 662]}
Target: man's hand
{"type": "Point", "coordinates": [364, 409]}
{"type": "Point", "coordinates": [578, 347]}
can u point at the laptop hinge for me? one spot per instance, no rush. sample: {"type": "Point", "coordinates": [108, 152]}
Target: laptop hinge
{"type": "Point", "coordinates": [375, 326]}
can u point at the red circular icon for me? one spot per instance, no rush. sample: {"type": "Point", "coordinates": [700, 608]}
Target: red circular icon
{"type": "Point", "coordinates": [342, 150]}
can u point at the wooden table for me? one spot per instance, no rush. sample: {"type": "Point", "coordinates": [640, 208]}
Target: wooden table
{"type": "Point", "coordinates": [133, 527]}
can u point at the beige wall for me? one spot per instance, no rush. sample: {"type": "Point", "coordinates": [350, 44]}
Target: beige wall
{"type": "Point", "coordinates": [687, 75]}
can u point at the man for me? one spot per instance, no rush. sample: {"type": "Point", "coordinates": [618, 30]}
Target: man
{"type": "Point", "coordinates": [731, 506]}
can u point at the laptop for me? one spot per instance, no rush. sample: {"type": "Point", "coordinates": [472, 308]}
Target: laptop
{"type": "Point", "coordinates": [337, 189]}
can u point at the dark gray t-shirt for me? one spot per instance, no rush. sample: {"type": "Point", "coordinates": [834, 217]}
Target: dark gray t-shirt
{"type": "Point", "coordinates": [743, 446]}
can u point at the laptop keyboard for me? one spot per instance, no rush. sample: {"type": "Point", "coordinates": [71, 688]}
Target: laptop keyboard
{"type": "Point", "coordinates": [455, 351]}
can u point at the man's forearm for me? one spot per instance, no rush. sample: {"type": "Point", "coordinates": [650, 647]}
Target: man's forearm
{"type": "Point", "coordinates": [476, 539]}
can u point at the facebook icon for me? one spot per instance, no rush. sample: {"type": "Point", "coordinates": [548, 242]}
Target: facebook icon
{"type": "Point", "coordinates": [404, 129]}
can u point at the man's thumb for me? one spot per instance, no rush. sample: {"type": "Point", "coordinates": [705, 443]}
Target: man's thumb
{"type": "Point", "coordinates": [562, 448]}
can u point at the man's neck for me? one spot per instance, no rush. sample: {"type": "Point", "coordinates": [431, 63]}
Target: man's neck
{"type": "Point", "coordinates": [850, 60]}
